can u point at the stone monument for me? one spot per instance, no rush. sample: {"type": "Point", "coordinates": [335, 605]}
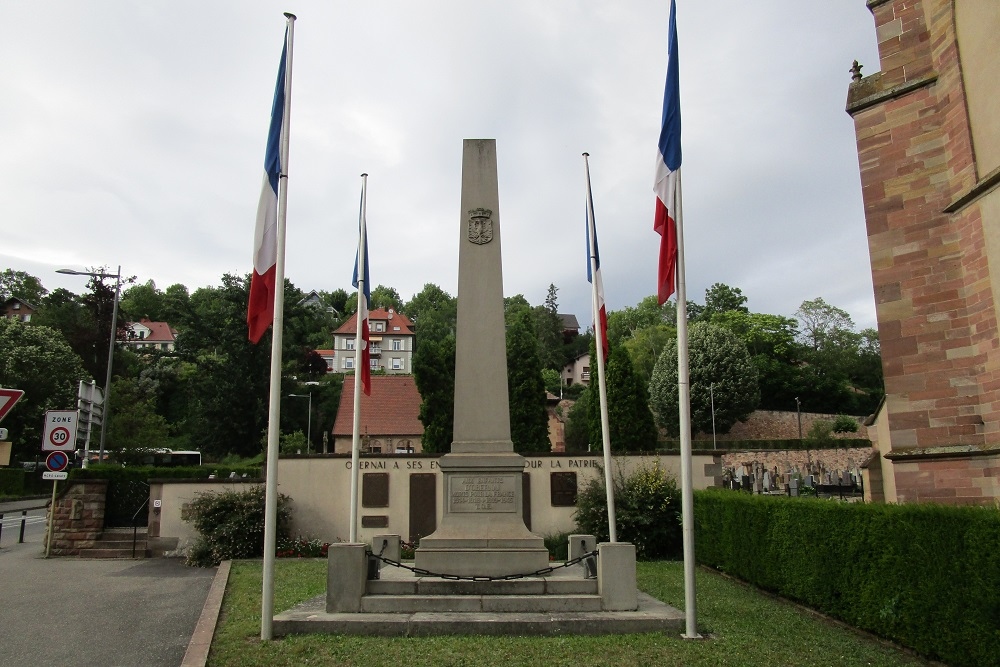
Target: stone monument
{"type": "Point", "coordinates": [482, 532]}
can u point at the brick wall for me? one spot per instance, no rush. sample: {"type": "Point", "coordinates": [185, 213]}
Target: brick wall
{"type": "Point", "coordinates": [78, 517]}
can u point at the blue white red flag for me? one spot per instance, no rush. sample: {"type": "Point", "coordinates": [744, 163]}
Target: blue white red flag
{"type": "Point", "coordinates": [667, 185]}
{"type": "Point", "coordinates": [594, 276]}
{"type": "Point", "coordinates": [260, 310]}
{"type": "Point", "coordinates": [364, 299]}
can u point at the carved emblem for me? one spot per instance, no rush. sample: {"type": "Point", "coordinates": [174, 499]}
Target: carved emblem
{"type": "Point", "coordinates": [480, 226]}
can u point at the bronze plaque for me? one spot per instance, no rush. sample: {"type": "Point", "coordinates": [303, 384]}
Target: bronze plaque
{"type": "Point", "coordinates": [526, 499]}
{"type": "Point", "coordinates": [563, 489]}
{"type": "Point", "coordinates": [375, 521]}
{"type": "Point", "coordinates": [375, 489]}
{"type": "Point", "coordinates": [492, 494]}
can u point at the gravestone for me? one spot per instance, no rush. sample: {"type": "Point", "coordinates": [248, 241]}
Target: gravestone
{"type": "Point", "coordinates": [482, 532]}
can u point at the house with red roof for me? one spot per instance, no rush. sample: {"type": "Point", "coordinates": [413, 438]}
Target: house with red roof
{"type": "Point", "coordinates": [391, 337]}
{"type": "Point", "coordinates": [390, 417]}
{"type": "Point", "coordinates": [147, 335]}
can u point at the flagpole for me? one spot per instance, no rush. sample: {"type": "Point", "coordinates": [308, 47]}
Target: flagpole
{"type": "Point", "coordinates": [358, 360]}
{"type": "Point", "coordinates": [274, 403]}
{"type": "Point", "coordinates": [684, 400]}
{"type": "Point", "coordinates": [599, 334]}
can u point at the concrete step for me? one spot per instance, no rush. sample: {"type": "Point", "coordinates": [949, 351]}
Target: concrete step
{"type": "Point", "coordinates": [102, 552]}
{"type": "Point", "coordinates": [526, 586]}
{"type": "Point", "coordinates": [411, 604]}
{"type": "Point", "coordinates": [140, 544]}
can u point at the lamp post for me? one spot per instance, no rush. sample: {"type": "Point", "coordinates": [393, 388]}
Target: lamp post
{"type": "Point", "coordinates": [111, 344]}
{"type": "Point", "coordinates": [310, 420]}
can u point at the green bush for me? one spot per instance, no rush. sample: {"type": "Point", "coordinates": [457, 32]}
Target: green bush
{"type": "Point", "coordinates": [845, 424]}
{"type": "Point", "coordinates": [926, 576]}
{"type": "Point", "coordinates": [11, 481]}
{"type": "Point", "coordinates": [558, 545]}
{"type": "Point", "coordinates": [231, 525]}
{"type": "Point", "coordinates": [647, 512]}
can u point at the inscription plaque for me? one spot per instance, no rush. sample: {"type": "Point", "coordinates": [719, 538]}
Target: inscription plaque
{"type": "Point", "coordinates": [482, 493]}
{"type": "Point", "coordinates": [562, 489]}
{"type": "Point", "coordinates": [375, 489]}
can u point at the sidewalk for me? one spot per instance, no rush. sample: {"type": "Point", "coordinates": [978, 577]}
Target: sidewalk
{"type": "Point", "coordinates": [68, 611]}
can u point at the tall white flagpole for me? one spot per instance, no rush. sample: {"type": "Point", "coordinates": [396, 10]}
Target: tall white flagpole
{"type": "Point", "coordinates": [599, 334]}
{"type": "Point", "coordinates": [358, 360]}
{"type": "Point", "coordinates": [684, 407]}
{"type": "Point", "coordinates": [274, 403]}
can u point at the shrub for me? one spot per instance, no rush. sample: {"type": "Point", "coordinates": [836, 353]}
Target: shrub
{"type": "Point", "coordinates": [11, 482]}
{"type": "Point", "coordinates": [301, 547]}
{"type": "Point", "coordinates": [558, 545]}
{"type": "Point", "coordinates": [231, 525]}
{"type": "Point", "coordinates": [647, 511]}
{"type": "Point", "coordinates": [845, 424]}
{"type": "Point", "coordinates": [926, 576]}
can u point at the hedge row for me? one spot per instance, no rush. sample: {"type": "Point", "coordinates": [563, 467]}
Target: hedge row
{"type": "Point", "coordinates": [11, 481]}
{"type": "Point", "coordinates": [926, 576]}
{"type": "Point", "coordinates": [761, 445]}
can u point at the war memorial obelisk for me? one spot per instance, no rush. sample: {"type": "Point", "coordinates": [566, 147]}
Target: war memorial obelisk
{"type": "Point", "coordinates": [482, 532]}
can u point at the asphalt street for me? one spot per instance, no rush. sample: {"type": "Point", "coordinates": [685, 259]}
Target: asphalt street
{"type": "Point", "coordinates": [83, 612]}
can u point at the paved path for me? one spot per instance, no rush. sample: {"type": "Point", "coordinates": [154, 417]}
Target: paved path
{"type": "Point", "coordinates": [100, 613]}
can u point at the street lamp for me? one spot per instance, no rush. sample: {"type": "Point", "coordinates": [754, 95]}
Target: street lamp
{"type": "Point", "coordinates": [310, 420]}
{"type": "Point", "coordinates": [111, 343]}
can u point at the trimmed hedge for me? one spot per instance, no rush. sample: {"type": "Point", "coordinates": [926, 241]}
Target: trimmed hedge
{"type": "Point", "coordinates": [11, 481]}
{"type": "Point", "coordinates": [926, 576]}
{"type": "Point", "coordinates": [765, 445]}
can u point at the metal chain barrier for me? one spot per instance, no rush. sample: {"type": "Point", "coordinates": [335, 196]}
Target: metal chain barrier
{"type": "Point", "coordinates": [457, 577]}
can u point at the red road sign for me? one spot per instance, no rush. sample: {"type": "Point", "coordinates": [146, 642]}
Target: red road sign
{"type": "Point", "coordinates": [56, 461]}
{"type": "Point", "coordinates": [8, 397]}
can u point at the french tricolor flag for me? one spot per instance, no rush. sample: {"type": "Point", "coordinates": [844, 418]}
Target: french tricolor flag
{"type": "Point", "coordinates": [594, 275]}
{"type": "Point", "coordinates": [260, 312]}
{"type": "Point", "coordinates": [667, 185]}
{"type": "Point", "coordinates": [363, 355]}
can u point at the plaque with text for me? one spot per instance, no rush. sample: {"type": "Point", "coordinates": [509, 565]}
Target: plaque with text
{"type": "Point", "coordinates": [482, 493]}
{"type": "Point", "coordinates": [563, 489]}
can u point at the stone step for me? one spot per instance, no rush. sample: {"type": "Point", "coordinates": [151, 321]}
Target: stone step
{"type": "Point", "coordinates": [410, 604]}
{"type": "Point", "coordinates": [526, 586]}
{"type": "Point", "coordinates": [101, 552]}
{"type": "Point", "coordinates": [140, 544]}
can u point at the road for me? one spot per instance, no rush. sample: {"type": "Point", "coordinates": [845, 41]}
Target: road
{"type": "Point", "coordinates": [83, 612]}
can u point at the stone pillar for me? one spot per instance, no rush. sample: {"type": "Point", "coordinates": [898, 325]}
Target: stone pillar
{"type": "Point", "coordinates": [481, 531]}
{"type": "Point", "coordinates": [78, 519]}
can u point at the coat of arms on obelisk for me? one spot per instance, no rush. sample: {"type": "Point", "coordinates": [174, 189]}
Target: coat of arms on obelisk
{"type": "Point", "coordinates": [480, 225]}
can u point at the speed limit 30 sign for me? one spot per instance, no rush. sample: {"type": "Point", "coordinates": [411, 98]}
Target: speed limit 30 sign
{"type": "Point", "coordinates": [59, 434]}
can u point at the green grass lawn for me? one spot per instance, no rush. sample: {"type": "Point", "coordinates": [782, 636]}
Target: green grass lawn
{"type": "Point", "coordinates": [742, 626]}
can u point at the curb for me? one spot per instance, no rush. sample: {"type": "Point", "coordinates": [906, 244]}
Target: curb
{"type": "Point", "coordinates": [201, 640]}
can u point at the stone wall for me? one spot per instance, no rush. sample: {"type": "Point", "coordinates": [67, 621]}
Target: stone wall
{"type": "Point", "coordinates": [775, 425]}
{"type": "Point", "coordinates": [78, 516]}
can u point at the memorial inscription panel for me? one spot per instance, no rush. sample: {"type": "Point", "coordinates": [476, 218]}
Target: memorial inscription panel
{"type": "Point", "coordinates": [482, 493]}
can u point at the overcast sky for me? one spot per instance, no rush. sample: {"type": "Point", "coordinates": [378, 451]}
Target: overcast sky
{"type": "Point", "coordinates": [133, 133]}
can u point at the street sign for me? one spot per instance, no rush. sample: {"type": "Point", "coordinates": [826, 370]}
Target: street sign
{"type": "Point", "coordinates": [60, 431]}
{"type": "Point", "coordinates": [8, 397]}
{"type": "Point", "coordinates": [57, 461]}
{"type": "Point", "coordinates": [48, 474]}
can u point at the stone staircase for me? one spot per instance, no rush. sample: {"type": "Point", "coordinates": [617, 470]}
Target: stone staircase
{"type": "Point", "coordinates": [117, 543]}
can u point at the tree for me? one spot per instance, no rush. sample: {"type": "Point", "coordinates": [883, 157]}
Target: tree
{"type": "Point", "coordinates": [822, 323]}
{"type": "Point", "coordinates": [434, 375]}
{"type": "Point", "coordinates": [577, 424]}
{"type": "Point", "coordinates": [143, 302]}
{"type": "Point", "coordinates": [385, 297]}
{"type": "Point", "coordinates": [721, 298]}
{"type": "Point", "coordinates": [134, 428]}
{"type": "Point", "coordinates": [645, 346]}
{"type": "Point", "coordinates": [623, 324]}
{"type": "Point", "coordinates": [529, 422]}
{"type": "Point", "coordinates": [38, 361]}
{"type": "Point", "coordinates": [432, 298]}
{"type": "Point", "coordinates": [22, 285]}
{"type": "Point", "coordinates": [630, 423]}
{"type": "Point", "coordinates": [717, 358]}
{"type": "Point", "coordinates": [552, 380]}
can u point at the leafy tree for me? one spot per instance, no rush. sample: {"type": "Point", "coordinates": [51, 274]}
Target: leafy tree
{"type": "Point", "coordinates": [845, 424]}
{"type": "Point", "coordinates": [434, 375]}
{"type": "Point", "coordinates": [822, 323]}
{"type": "Point", "coordinates": [577, 424]}
{"type": "Point", "coordinates": [645, 346]}
{"type": "Point", "coordinates": [717, 357]}
{"type": "Point", "coordinates": [721, 298]}
{"type": "Point", "coordinates": [22, 285]}
{"type": "Point", "coordinates": [134, 427]}
{"type": "Point", "coordinates": [337, 299]}
{"type": "Point", "coordinates": [529, 423]}
{"type": "Point", "coordinates": [820, 433]}
{"type": "Point", "coordinates": [385, 297]}
{"type": "Point", "coordinates": [623, 324]}
{"type": "Point", "coordinates": [776, 354]}
{"type": "Point", "coordinates": [552, 380]}
{"type": "Point", "coordinates": [176, 306]}
{"type": "Point", "coordinates": [143, 302]}
{"type": "Point", "coordinates": [37, 360]}
{"type": "Point", "coordinates": [549, 328]}
{"type": "Point", "coordinates": [432, 298]}
{"type": "Point", "coordinates": [630, 423]}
